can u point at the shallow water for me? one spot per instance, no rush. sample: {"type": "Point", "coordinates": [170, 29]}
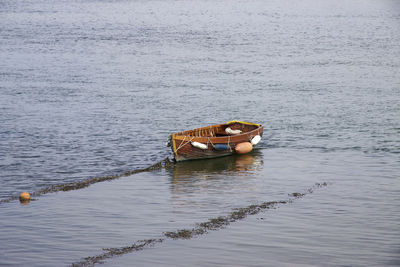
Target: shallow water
{"type": "Point", "coordinates": [94, 88]}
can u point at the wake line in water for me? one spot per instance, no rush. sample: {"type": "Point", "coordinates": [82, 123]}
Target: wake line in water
{"type": "Point", "coordinates": [212, 224]}
{"type": "Point", "coordinates": [87, 182]}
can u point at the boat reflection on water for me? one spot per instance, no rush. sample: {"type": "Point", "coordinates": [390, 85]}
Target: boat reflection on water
{"type": "Point", "coordinates": [189, 176]}
{"type": "Point", "coordinates": [234, 163]}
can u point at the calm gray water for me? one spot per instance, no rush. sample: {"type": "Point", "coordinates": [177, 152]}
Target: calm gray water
{"type": "Point", "coordinates": [94, 88]}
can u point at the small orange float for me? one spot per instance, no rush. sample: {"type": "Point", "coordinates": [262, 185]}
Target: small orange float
{"type": "Point", "coordinates": [24, 197]}
{"type": "Point", "coordinates": [243, 148]}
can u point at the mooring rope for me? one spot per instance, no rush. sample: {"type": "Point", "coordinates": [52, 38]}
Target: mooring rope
{"type": "Point", "coordinates": [182, 144]}
{"type": "Point", "coordinates": [87, 182]}
{"type": "Point", "coordinates": [212, 224]}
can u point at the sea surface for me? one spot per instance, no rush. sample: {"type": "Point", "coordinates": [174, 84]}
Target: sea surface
{"type": "Point", "coordinates": [94, 88]}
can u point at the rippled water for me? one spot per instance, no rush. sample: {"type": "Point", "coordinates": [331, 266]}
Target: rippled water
{"type": "Point", "coordinates": [94, 88]}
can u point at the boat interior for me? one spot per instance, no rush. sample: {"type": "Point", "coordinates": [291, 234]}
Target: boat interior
{"type": "Point", "coordinates": [220, 130]}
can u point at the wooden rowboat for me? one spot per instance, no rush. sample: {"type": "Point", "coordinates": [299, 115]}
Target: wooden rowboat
{"type": "Point", "coordinates": [216, 140]}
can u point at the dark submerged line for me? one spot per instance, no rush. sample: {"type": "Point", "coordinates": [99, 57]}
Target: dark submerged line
{"type": "Point", "coordinates": [238, 214]}
{"type": "Point", "coordinates": [111, 252]}
{"type": "Point", "coordinates": [87, 182]}
{"type": "Point", "coordinates": [212, 224]}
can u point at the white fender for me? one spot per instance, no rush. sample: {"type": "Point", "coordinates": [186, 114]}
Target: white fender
{"type": "Point", "coordinates": [255, 140]}
{"type": "Point", "coordinates": [230, 131]}
{"type": "Point", "coordinates": [199, 145]}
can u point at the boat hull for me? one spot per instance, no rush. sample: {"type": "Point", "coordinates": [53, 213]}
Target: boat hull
{"type": "Point", "coordinates": [218, 142]}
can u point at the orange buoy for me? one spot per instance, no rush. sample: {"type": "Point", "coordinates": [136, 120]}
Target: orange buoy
{"type": "Point", "coordinates": [24, 197]}
{"type": "Point", "coordinates": [243, 148]}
